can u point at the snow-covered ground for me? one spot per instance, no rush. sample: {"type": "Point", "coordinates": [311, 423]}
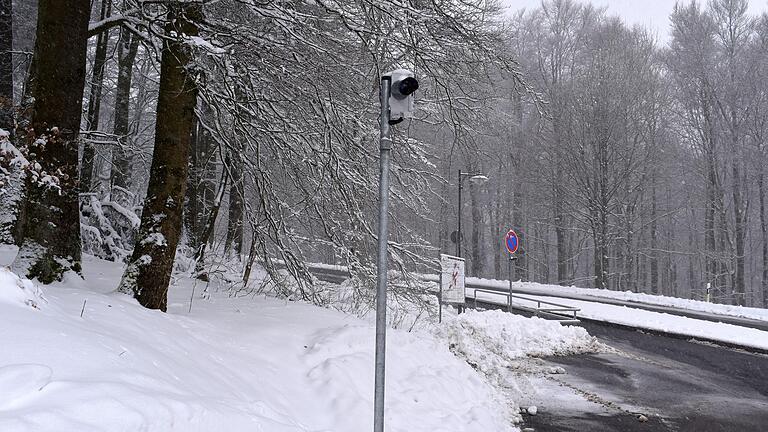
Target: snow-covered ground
{"type": "Point", "coordinates": [643, 319]}
{"type": "Point", "coordinates": [76, 356]}
{"type": "Point", "coordinates": [701, 306]}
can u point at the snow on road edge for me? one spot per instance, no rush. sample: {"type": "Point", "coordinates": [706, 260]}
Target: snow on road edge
{"type": "Point", "coordinates": [657, 300]}
{"type": "Point", "coordinates": [491, 340]}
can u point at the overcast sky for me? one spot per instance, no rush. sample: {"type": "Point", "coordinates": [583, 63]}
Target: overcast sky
{"type": "Point", "coordinates": [653, 14]}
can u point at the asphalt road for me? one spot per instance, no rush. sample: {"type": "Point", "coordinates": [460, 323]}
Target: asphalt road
{"type": "Point", "coordinates": [676, 384]}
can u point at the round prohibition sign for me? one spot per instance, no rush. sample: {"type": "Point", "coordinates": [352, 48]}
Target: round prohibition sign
{"type": "Point", "coordinates": [511, 241]}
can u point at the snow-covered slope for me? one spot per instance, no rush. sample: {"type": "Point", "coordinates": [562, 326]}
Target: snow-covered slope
{"type": "Point", "coordinates": [231, 364]}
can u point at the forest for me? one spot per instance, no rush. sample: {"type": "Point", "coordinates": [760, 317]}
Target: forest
{"type": "Point", "coordinates": [210, 136]}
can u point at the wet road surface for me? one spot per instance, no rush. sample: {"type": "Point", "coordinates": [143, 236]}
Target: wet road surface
{"type": "Point", "coordinates": [678, 385]}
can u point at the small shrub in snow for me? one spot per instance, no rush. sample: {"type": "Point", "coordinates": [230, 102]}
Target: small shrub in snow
{"type": "Point", "coordinates": [108, 228]}
{"type": "Point", "coordinates": [15, 290]}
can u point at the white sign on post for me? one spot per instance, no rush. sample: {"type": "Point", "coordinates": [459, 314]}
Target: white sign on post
{"type": "Point", "coordinates": [452, 279]}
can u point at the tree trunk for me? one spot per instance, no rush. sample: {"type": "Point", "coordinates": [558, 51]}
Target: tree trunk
{"type": "Point", "coordinates": [94, 100]}
{"type": "Point", "coordinates": [601, 254]}
{"type": "Point", "coordinates": [234, 241]}
{"type": "Point", "coordinates": [191, 200]}
{"type": "Point", "coordinates": [208, 230]}
{"type": "Point", "coordinates": [121, 166]}
{"type": "Point", "coordinates": [149, 270]}
{"type": "Point", "coordinates": [11, 174]}
{"type": "Point", "coordinates": [654, 256]}
{"type": "Point", "coordinates": [561, 237]}
{"type": "Point", "coordinates": [498, 224]}
{"type": "Point", "coordinates": [12, 178]}
{"type": "Point", "coordinates": [233, 244]}
{"type": "Point", "coordinates": [740, 216]}
{"type": "Point", "coordinates": [521, 264]}
{"type": "Point", "coordinates": [6, 65]}
{"type": "Point", "coordinates": [251, 259]}
{"type": "Point", "coordinates": [764, 232]}
{"type": "Point", "coordinates": [477, 223]}
{"type": "Point", "coordinates": [51, 224]}
{"type": "Point", "coordinates": [200, 191]}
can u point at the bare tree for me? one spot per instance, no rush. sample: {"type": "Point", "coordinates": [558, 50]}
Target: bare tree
{"type": "Point", "coordinates": [51, 227]}
{"type": "Point", "coordinates": [6, 65]}
{"type": "Point", "coordinates": [149, 271]}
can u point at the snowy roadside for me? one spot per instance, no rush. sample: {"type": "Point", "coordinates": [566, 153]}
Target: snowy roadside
{"type": "Point", "coordinates": [662, 322]}
{"type": "Point", "coordinates": [659, 300]}
{"type": "Point", "coordinates": [245, 363]}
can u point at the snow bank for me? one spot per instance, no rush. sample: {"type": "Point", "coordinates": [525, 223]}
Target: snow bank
{"type": "Point", "coordinates": [17, 291]}
{"type": "Point", "coordinates": [696, 305]}
{"type": "Point", "coordinates": [684, 326]}
{"type": "Point", "coordinates": [490, 340]}
{"type": "Point", "coordinates": [426, 389]}
{"type": "Point", "coordinates": [232, 364]}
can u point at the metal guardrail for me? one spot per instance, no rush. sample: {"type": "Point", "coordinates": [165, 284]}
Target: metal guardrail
{"type": "Point", "coordinates": [560, 312]}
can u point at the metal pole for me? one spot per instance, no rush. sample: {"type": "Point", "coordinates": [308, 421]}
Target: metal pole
{"type": "Point", "coordinates": [458, 230]}
{"type": "Point", "coordinates": [509, 299]}
{"type": "Point", "coordinates": [440, 300]}
{"type": "Point", "coordinates": [385, 146]}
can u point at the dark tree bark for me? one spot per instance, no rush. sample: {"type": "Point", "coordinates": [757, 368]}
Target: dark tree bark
{"type": "Point", "coordinates": [477, 223]}
{"type": "Point", "coordinates": [191, 200]}
{"type": "Point", "coordinates": [561, 237]}
{"type": "Point", "coordinates": [740, 215]}
{"type": "Point", "coordinates": [51, 225]}
{"type": "Point", "coordinates": [200, 192]}
{"type": "Point", "coordinates": [251, 259]}
{"type": "Point", "coordinates": [6, 65]}
{"type": "Point", "coordinates": [208, 229]}
{"type": "Point", "coordinates": [654, 255]}
{"type": "Point", "coordinates": [497, 223]}
{"type": "Point", "coordinates": [149, 270]}
{"type": "Point", "coordinates": [11, 174]}
{"type": "Point", "coordinates": [234, 241]}
{"type": "Point", "coordinates": [94, 100]}
{"type": "Point", "coordinates": [127, 50]}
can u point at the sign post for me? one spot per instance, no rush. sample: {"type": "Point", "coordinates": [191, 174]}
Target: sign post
{"type": "Point", "coordinates": [452, 278]}
{"type": "Point", "coordinates": [512, 242]}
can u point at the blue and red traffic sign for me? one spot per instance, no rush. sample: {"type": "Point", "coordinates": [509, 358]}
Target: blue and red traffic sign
{"type": "Point", "coordinates": [511, 241]}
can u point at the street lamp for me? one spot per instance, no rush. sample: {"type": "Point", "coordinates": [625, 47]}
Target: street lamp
{"type": "Point", "coordinates": [475, 178]}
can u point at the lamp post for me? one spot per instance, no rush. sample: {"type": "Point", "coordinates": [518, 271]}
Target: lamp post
{"type": "Point", "coordinates": [473, 177]}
